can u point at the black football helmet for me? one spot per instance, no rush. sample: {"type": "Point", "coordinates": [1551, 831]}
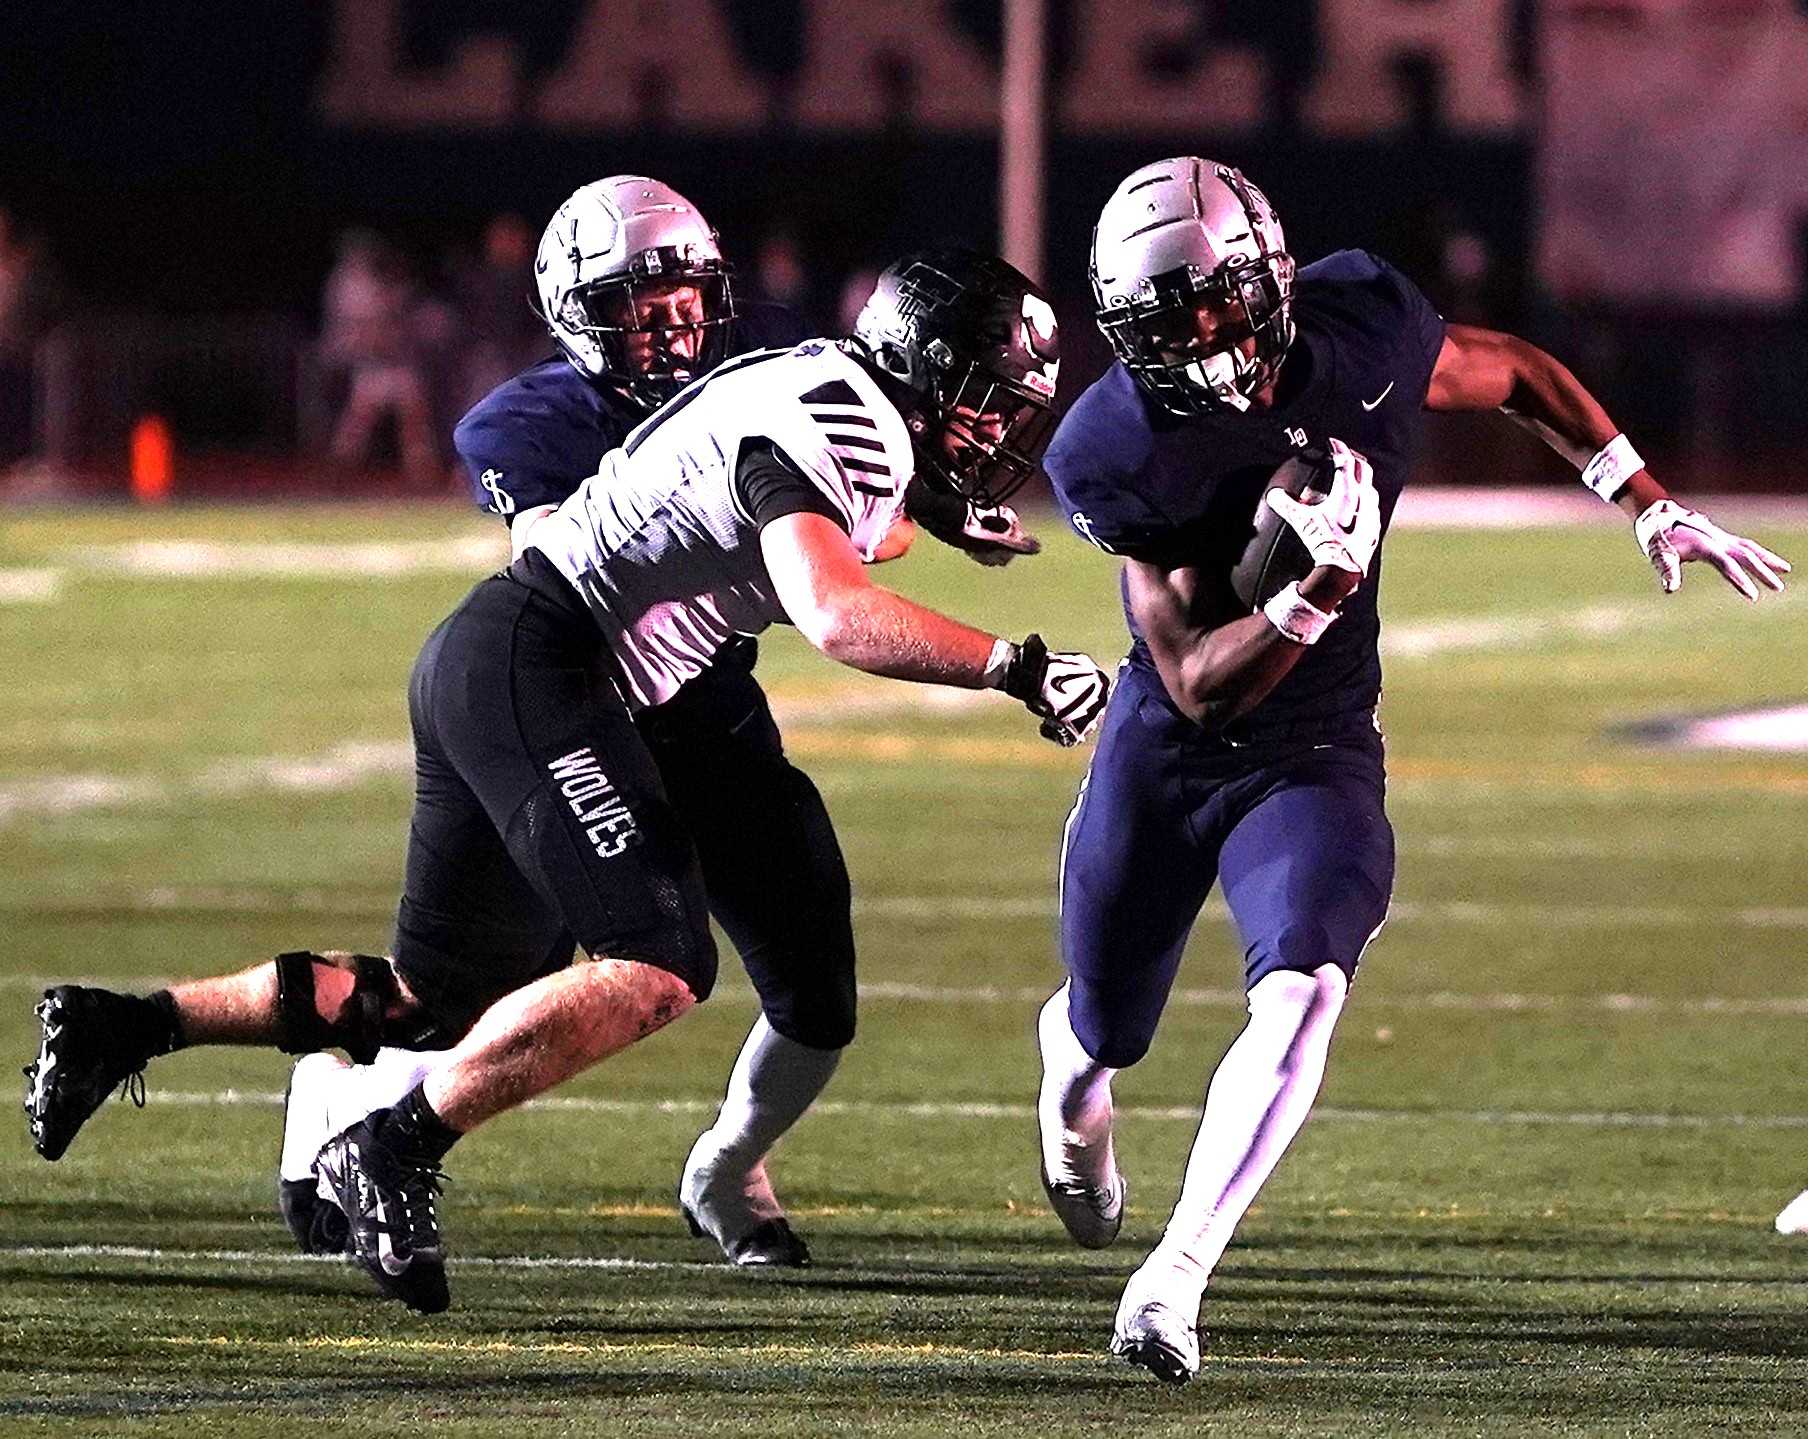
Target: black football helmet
{"type": "Point", "coordinates": [972, 343]}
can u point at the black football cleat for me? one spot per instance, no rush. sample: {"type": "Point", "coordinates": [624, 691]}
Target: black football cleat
{"type": "Point", "coordinates": [318, 1225]}
{"type": "Point", "coordinates": [90, 1043]}
{"type": "Point", "coordinates": [770, 1244]}
{"type": "Point", "coordinates": [389, 1197]}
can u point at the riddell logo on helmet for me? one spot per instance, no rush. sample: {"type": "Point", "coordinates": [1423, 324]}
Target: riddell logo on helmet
{"type": "Point", "coordinates": [608, 823]}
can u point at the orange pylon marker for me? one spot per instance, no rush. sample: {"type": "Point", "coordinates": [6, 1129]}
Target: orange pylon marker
{"type": "Point", "coordinates": [153, 460]}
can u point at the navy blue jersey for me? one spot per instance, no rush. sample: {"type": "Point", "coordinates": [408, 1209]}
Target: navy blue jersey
{"type": "Point", "coordinates": [1182, 490]}
{"type": "Point", "coordinates": [533, 439]}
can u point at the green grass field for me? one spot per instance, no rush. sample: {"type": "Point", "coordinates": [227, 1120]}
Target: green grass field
{"type": "Point", "coordinates": [1568, 1097]}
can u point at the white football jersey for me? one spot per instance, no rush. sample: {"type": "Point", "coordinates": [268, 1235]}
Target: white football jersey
{"type": "Point", "coordinates": [657, 542]}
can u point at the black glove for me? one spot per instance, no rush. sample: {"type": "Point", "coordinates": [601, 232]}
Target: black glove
{"type": "Point", "coordinates": [992, 536]}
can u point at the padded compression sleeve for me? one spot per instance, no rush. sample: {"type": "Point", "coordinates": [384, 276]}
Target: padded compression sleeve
{"type": "Point", "coordinates": [768, 489]}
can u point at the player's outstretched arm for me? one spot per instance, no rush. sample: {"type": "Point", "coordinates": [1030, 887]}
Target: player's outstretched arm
{"type": "Point", "coordinates": [826, 591]}
{"type": "Point", "coordinates": [1480, 369]}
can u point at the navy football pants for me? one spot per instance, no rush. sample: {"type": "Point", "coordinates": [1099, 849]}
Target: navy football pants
{"type": "Point", "coordinates": [1294, 828]}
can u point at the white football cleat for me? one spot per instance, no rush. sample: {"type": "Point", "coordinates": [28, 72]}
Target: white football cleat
{"type": "Point", "coordinates": [1794, 1218]}
{"type": "Point", "coordinates": [1154, 1335]}
{"type": "Point", "coordinates": [739, 1212]}
{"type": "Point", "coordinates": [1085, 1187]}
{"type": "Point", "coordinates": [1092, 1214]}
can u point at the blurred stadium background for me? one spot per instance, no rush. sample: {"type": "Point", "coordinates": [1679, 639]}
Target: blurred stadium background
{"type": "Point", "coordinates": [1571, 1091]}
{"type": "Point", "coordinates": [213, 213]}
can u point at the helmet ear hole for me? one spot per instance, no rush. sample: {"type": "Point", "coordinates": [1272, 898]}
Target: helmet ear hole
{"type": "Point", "coordinates": [896, 361]}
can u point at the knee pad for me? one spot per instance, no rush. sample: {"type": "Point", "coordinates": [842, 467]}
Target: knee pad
{"type": "Point", "coordinates": [359, 1024]}
{"type": "Point", "coordinates": [1305, 947]}
{"type": "Point", "coordinates": [815, 1007]}
{"type": "Point", "coordinates": [1114, 1031]}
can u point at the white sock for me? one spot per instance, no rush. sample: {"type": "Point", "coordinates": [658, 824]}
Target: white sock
{"type": "Point", "coordinates": [331, 1095]}
{"type": "Point", "coordinates": [305, 1113]}
{"type": "Point", "coordinates": [1260, 1096]}
{"type": "Point", "coordinates": [386, 1080]}
{"type": "Point", "coordinates": [773, 1082]}
{"type": "Point", "coordinates": [1073, 1108]}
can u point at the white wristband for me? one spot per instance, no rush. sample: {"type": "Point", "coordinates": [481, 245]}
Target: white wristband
{"type": "Point", "coordinates": [1297, 617]}
{"type": "Point", "coordinates": [1616, 462]}
{"type": "Point", "coordinates": [998, 664]}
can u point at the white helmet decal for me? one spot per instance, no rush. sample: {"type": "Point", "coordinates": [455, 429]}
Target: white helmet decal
{"type": "Point", "coordinates": [1038, 338]}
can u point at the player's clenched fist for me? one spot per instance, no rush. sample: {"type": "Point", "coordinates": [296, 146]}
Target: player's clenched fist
{"type": "Point", "coordinates": [1344, 527]}
{"type": "Point", "coordinates": [1066, 691]}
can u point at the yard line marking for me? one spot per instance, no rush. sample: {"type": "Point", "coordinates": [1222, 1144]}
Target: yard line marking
{"type": "Point", "coordinates": [1491, 632]}
{"type": "Point", "coordinates": [984, 1109]}
{"type": "Point", "coordinates": [1483, 507]}
{"type": "Point", "coordinates": [1457, 911]}
{"type": "Point", "coordinates": [30, 587]}
{"type": "Point", "coordinates": [258, 1256]}
{"type": "Point", "coordinates": [72, 793]}
{"type": "Point", "coordinates": [704, 1343]}
{"type": "Point", "coordinates": [357, 762]}
{"type": "Point", "coordinates": [208, 559]}
{"type": "Point", "coordinates": [1540, 847]}
{"type": "Point", "coordinates": [344, 766]}
{"type": "Point", "coordinates": [903, 991]}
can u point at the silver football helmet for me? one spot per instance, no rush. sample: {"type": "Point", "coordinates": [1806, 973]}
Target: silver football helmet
{"type": "Point", "coordinates": [633, 286]}
{"type": "Point", "coordinates": [1192, 284]}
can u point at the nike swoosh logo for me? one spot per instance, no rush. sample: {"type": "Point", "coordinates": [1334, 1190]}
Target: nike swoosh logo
{"type": "Point", "coordinates": [386, 1255]}
{"type": "Point", "coordinates": [1370, 404]}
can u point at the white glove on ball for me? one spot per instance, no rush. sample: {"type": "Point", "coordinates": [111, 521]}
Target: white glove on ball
{"type": "Point", "coordinates": [1344, 528]}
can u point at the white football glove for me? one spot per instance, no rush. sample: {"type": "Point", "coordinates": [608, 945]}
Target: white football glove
{"type": "Point", "coordinates": [1671, 535]}
{"type": "Point", "coordinates": [1066, 691]}
{"type": "Point", "coordinates": [1344, 528]}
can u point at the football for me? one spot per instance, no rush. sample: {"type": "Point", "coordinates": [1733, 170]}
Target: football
{"type": "Point", "coordinates": [1275, 556]}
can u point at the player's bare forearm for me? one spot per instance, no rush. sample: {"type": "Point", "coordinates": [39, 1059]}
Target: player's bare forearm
{"type": "Point", "coordinates": [1215, 667]}
{"type": "Point", "coordinates": [826, 591]}
{"type": "Point", "coordinates": [1479, 369]}
{"type": "Point", "coordinates": [883, 633]}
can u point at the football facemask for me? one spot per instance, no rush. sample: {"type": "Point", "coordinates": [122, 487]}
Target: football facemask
{"type": "Point", "coordinates": [1201, 343]}
{"type": "Point", "coordinates": [657, 327]}
{"type": "Point", "coordinates": [984, 436]}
